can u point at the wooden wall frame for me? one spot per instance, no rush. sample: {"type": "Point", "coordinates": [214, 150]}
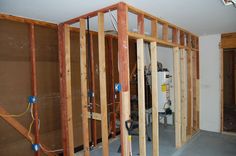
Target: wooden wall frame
{"type": "Point", "coordinates": [186, 40]}
{"type": "Point", "coordinates": [228, 41]}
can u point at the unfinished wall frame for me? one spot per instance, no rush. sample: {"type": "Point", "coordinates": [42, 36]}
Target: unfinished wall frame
{"type": "Point", "coordinates": [184, 41]}
{"type": "Point", "coordinates": [33, 138]}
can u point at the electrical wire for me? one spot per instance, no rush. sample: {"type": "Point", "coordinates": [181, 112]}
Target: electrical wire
{"type": "Point", "coordinates": [50, 151]}
{"type": "Point", "coordinates": [112, 17]}
{"type": "Point", "coordinates": [32, 140]}
{"type": "Point", "coordinates": [16, 115]}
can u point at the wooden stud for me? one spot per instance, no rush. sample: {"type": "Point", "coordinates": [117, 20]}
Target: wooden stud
{"type": "Point", "coordinates": [165, 32]}
{"type": "Point", "coordinates": [175, 36]}
{"type": "Point", "coordinates": [155, 117]}
{"type": "Point", "coordinates": [154, 29]}
{"type": "Point", "coordinates": [141, 24]}
{"type": "Point", "coordinates": [194, 76]}
{"type": "Point", "coordinates": [112, 83]}
{"type": "Point", "coordinates": [123, 67]}
{"type": "Point", "coordinates": [92, 14]}
{"type": "Point", "coordinates": [93, 87]}
{"type": "Point", "coordinates": [222, 87]}
{"type": "Point", "coordinates": [65, 90]}
{"type": "Point", "coordinates": [177, 91]}
{"type": "Point", "coordinates": [34, 85]}
{"type": "Point", "coordinates": [183, 94]}
{"type": "Point", "coordinates": [190, 99]}
{"type": "Point", "coordinates": [102, 83]}
{"type": "Point", "coordinates": [95, 116]}
{"type": "Point", "coordinates": [141, 97]}
{"type": "Point", "coordinates": [181, 38]}
{"type": "Point", "coordinates": [84, 88]}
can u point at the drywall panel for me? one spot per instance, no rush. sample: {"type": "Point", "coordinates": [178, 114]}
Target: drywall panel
{"type": "Point", "coordinates": [210, 83]}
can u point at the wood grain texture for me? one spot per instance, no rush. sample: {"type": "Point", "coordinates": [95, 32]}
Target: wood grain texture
{"type": "Point", "coordinates": [155, 117]}
{"type": "Point", "coordinates": [123, 68]}
{"type": "Point", "coordinates": [102, 82]}
{"type": "Point", "coordinates": [177, 90]}
{"type": "Point", "coordinates": [84, 88]}
{"type": "Point", "coordinates": [141, 97]}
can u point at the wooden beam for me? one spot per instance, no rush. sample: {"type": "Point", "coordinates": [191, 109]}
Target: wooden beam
{"type": "Point", "coordinates": [222, 87]}
{"type": "Point", "coordinates": [34, 85]}
{"type": "Point", "coordinates": [112, 83]}
{"type": "Point", "coordinates": [93, 87]}
{"type": "Point", "coordinates": [175, 36]}
{"type": "Point", "coordinates": [154, 29]}
{"type": "Point", "coordinates": [181, 38]}
{"type": "Point", "coordinates": [84, 89]}
{"type": "Point", "coordinates": [151, 17]}
{"type": "Point", "coordinates": [141, 24]}
{"type": "Point", "coordinates": [228, 40]}
{"type": "Point", "coordinates": [190, 99]}
{"type": "Point", "coordinates": [65, 90]}
{"type": "Point", "coordinates": [178, 136]}
{"type": "Point", "coordinates": [95, 116]}
{"type": "Point", "coordinates": [155, 117]}
{"type": "Point", "coordinates": [165, 32]}
{"type": "Point", "coordinates": [194, 77]}
{"type": "Point", "coordinates": [183, 64]}
{"type": "Point", "coordinates": [102, 83]}
{"type": "Point", "coordinates": [123, 65]}
{"type": "Point", "coordinates": [21, 129]}
{"type": "Point", "coordinates": [92, 14]}
{"type": "Point", "coordinates": [141, 97]}
{"type": "Point", "coordinates": [27, 20]}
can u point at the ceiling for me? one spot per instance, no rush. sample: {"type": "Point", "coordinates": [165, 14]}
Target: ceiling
{"type": "Point", "coordinates": [201, 17]}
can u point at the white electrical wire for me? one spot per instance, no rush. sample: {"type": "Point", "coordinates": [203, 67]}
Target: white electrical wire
{"type": "Point", "coordinates": [112, 17]}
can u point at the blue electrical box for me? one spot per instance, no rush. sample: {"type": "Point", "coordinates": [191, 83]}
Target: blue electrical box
{"type": "Point", "coordinates": [32, 99]}
{"type": "Point", "coordinates": [118, 87]}
{"type": "Point", "coordinates": [35, 147]}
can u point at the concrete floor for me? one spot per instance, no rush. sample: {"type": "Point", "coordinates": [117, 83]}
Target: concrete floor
{"type": "Point", "coordinates": [167, 144]}
{"type": "Point", "coordinates": [209, 144]}
{"type": "Point", "coordinates": [202, 144]}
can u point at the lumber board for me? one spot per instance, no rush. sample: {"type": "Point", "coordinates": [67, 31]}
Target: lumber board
{"type": "Point", "coordinates": [154, 28]}
{"type": "Point", "coordinates": [27, 20]}
{"type": "Point", "coordinates": [34, 85]}
{"type": "Point", "coordinates": [222, 87]}
{"type": "Point", "coordinates": [177, 84]}
{"type": "Point", "coordinates": [141, 24]}
{"type": "Point", "coordinates": [123, 68]}
{"type": "Point", "coordinates": [102, 83]}
{"type": "Point", "coordinates": [112, 84]}
{"type": "Point", "coordinates": [190, 99]}
{"type": "Point", "coordinates": [21, 129]}
{"type": "Point", "coordinates": [175, 36]}
{"type": "Point", "coordinates": [183, 64]}
{"type": "Point", "coordinates": [194, 76]}
{"type": "Point", "coordinates": [95, 116]}
{"type": "Point", "coordinates": [228, 40]}
{"type": "Point", "coordinates": [141, 97]}
{"type": "Point", "coordinates": [92, 14]}
{"type": "Point", "coordinates": [84, 88]}
{"type": "Point", "coordinates": [165, 32]}
{"type": "Point", "coordinates": [93, 87]}
{"type": "Point", "coordinates": [155, 117]}
{"type": "Point", "coordinates": [68, 97]}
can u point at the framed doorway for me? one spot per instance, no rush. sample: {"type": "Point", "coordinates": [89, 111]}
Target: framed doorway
{"type": "Point", "coordinates": [228, 83]}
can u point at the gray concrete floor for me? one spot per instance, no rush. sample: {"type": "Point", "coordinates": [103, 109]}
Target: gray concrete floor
{"type": "Point", "coordinates": [209, 144]}
{"type": "Point", "coordinates": [202, 144]}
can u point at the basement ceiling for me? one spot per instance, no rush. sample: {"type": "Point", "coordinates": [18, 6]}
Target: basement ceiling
{"type": "Point", "coordinates": [201, 17]}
